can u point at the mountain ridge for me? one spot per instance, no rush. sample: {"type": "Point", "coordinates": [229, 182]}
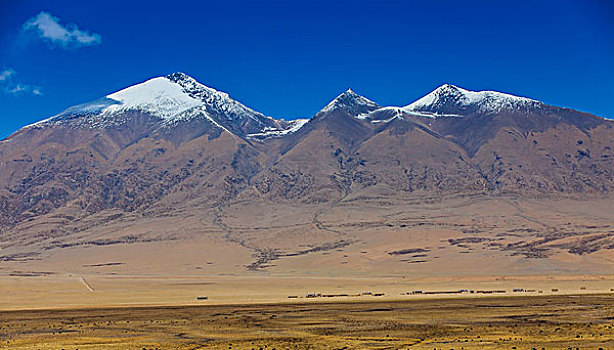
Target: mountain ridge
{"type": "Point", "coordinates": [446, 100]}
{"type": "Point", "coordinates": [354, 172]}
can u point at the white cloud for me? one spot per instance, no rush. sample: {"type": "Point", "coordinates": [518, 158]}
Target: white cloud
{"type": "Point", "coordinates": [6, 74]}
{"type": "Point", "coordinates": [49, 29]}
{"type": "Point", "coordinates": [17, 89]}
{"type": "Point", "coordinates": [9, 86]}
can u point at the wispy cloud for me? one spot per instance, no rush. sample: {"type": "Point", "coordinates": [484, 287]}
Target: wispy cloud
{"type": "Point", "coordinates": [6, 74]}
{"type": "Point", "coordinates": [8, 85]}
{"type": "Point", "coordinates": [48, 28]}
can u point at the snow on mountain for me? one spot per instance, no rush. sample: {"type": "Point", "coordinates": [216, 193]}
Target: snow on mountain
{"type": "Point", "coordinates": [178, 98]}
{"type": "Point", "coordinates": [352, 103]}
{"type": "Point", "coordinates": [158, 96]}
{"type": "Point", "coordinates": [291, 127]}
{"type": "Point", "coordinates": [384, 115]}
{"type": "Point", "coordinates": [450, 100]}
{"type": "Point", "coordinates": [219, 103]}
{"type": "Point", "coordinates": [174, 98]}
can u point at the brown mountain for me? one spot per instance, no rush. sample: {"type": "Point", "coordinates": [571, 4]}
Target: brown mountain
{"type": "Point", "coordinates": [171, 168]}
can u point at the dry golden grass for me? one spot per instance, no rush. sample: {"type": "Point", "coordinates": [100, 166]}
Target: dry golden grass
{"type": "Point", "coordinates": [545, 322]}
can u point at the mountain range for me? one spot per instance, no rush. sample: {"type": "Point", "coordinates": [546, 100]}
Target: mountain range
{"type": "Point", "coordinates": [171, 166]}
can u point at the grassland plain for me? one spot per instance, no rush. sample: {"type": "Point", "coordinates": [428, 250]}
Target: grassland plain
{"type": "Point", "coordinates": [537, 322]}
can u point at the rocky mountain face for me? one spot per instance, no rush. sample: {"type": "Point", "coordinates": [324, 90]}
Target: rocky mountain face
{"type": "Point", "coordinates": [171, 146]}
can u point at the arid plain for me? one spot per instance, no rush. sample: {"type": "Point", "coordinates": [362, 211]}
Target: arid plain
{"type": "Point", "coordinates": [545, 322]}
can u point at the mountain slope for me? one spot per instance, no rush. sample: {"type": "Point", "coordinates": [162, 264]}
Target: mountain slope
{"type": "Point", "coordinates": [171, 160]}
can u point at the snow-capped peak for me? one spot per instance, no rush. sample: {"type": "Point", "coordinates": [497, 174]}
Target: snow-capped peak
{"type": "Point", "coordinates": [217, 102]}
{"type": "Point", "coordinates": [352, 103]}
{"type": "Point", "coordinates": [159, 96]}
{"type": "Point", "coordinates": [172, 99]}
{"type": "Point", "coordinates": [453, 100]}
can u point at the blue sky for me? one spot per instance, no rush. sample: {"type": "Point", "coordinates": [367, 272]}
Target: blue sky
{"type": "Point", "coordinates": [287, 59]}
